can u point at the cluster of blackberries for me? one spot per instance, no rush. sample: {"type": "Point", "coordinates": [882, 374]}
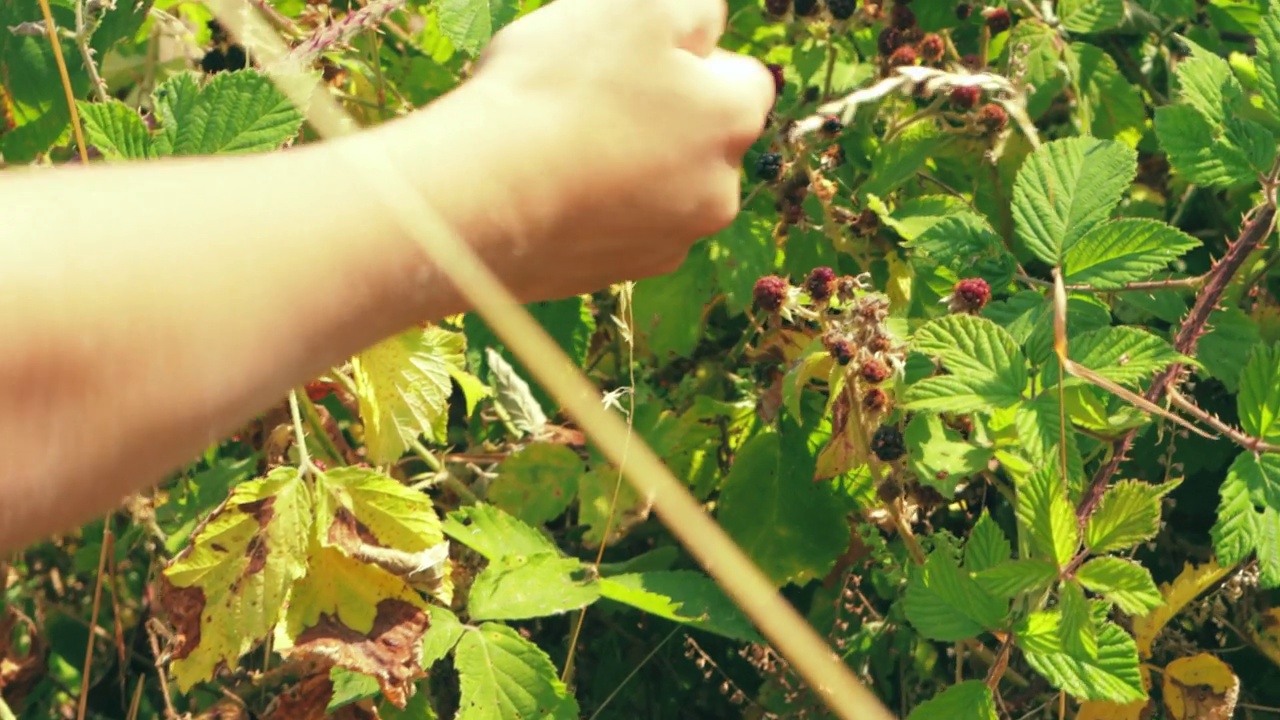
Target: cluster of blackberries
{"type": "Point", "coordinates": [224, 54]}
{"type": "Point", "coordinates": [839, 10]}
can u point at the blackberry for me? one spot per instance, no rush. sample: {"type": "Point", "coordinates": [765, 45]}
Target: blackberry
{"type": "Point", "coordinates": [903, 56]}
{"type": "Point", "coordinates": [821, 283]}
{"type": "Point", "coordinates": [971, 295]}
{"type": "Point", "coordinates": [992, 117]}
{"type": "Point", "coordinates": [806, 8]}
{"type": "Point", "coordinates": [832, 126]}
{"type": "Point", "coordinates": [875, 400]}
{"type": "Point", "coordinates": [769, 166]}
{"type": "Point", "coordinates": [966, 97]}
{"type": "Point", "coordinates": [842, 9]}
{"type": "Point", "coordinates": [998, 20]}
{"type": "Point", "coordinates": [811, 93]}
{"type": "Point", "coordinates": [214, 61]}
{"type": "Point", "coordinates": [779, 82]}
{"type": "Point", "coordinates": [971, 62]}
{"type": "Point", "coordinates": [890, 39]}
{"type": "Point", "coordinates": [777, 8]}
{"type": "Point", "coordinates": [932, 47]}
{"type": "Point", "coordinates": [963, 11]}
{"type": "Point", "coordinates": [888, 443]}
{"type": "Point", "coordinates": [792, 213]}
{"type": "Point", "coordinates": [902, 17]}
{"type": "Point", "coordinates": [867, 224]}
{"type": "Point", "coordinates": [841, 350]}
{"type": "Point", "coordinates": [875, 371]}
{"type": "Point", "coordinates": [795, 188]}
{"type": "Point", "coordinates": [236, 58]}
{"type": "Point", "coordinates": [770, 293]}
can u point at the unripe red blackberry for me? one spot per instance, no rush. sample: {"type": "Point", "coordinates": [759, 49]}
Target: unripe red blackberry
{"type": "Point", "coordinates": [821, 283]}
{"type": "Point", "coordinates": [966, 97]}
{"type": "Point", "coordinates": [901, 16]}
{"type": "Point", "coordinates": [875, 371]}
{"type": "Point", "coordinates": [832, 126]}
{"type": "Point", "coordinates": [841, 350]}
{"type": "Point", "coordinates": [880, 344]}
{"type": "Point", "coordinates": [795, 188]}
{"type": "Point", "coordinates": [992, 117]}
{"type": "Point", "coordinates": [769, 166]}
{"type": "Point", "coordinates": [806, 8]}
{"type": "Point", "coordinates": [903, 56]}
{"type": "Point", "coordinates": [998, 20]}
{"type": "Point", "coordinates": [963, 11]}
{"type": "Point", "coordinates": [971, 62]}
{"type": "Point", "coordinates": [792, 213]}
{"type": "Point", "coordinates": [770, 293]}
{"type": "Point", "coordinates": [875, 400]}
{"type": "Point", "coordinates": [867, 224]}
{"type": "Point", "coordinates": [932, 47]}
{"type": "Point", "coordinates": [842, 9]}
{"type": "Point", "coordinates": [888, 443]}
{"type": "Point", "coordinates": [890, 39]}
{"type": "Point", "coordinates": [971, 295]}
{"type": "Point", "coordinates": [777, 8]}
{"type": "Point", "coordinates": [779, 82]}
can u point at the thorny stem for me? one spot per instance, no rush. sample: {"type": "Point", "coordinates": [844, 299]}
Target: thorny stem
{"type": "Point", "coordinates": [1255, 230]}
{"type": "Point", "coordinates": [1142, 286]}
{"type": "Point", "coordinates": [84, 31]}
{"type": "Point", "coordinates": [1183, 403]}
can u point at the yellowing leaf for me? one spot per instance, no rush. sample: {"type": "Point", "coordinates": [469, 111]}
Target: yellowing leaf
{"type": "Point", "coordinates": [403, 384]}
{"type": "Point", "coordinates": [1192, 581]}
{"type": "Point", "coordinates": [226, 591]}
{"type": "Point", "coordinates": [1200, 687]}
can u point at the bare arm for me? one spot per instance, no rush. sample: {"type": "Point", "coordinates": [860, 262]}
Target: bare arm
{"type": "Point", "coordinates": [136, 330]}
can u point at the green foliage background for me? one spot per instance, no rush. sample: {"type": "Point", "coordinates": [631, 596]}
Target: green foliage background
{"type": "Point", "coordinates": [894, 441]}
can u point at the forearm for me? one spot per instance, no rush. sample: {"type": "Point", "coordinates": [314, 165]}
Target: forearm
{"type": "Point", "coordinates": [148, 310]}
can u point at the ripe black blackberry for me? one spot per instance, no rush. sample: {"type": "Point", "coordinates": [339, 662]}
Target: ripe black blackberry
{"type": "Point", "coordinates": [777, 8]}
{"type": "Point", "coordinates": [998, 20]}
{"type": "Point", "coordinates": [963, 11]}
{"type": "Point", "coordinates": [842, 9]}
{"type": "Point", "coordinates": [779, 81]}
{"type": "Point", "coordinates": [832, 126]}
{"type": "Point", "coordinates": [888, 443]}
{"type": "Point", "coordinates": [890, 39]}
{"type": "Point", "coordinates": [769, 166]}
{"type": "Point", "coordinates": [806, 8]}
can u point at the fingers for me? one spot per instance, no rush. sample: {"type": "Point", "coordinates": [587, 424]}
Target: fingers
{"type": "Point", "coordinates": [744, 88]}
{"type": "Point", "coordinates": [698, 24]}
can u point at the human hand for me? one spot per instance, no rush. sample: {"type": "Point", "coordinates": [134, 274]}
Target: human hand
{"type": "Point", "coordinates": [615, 130]}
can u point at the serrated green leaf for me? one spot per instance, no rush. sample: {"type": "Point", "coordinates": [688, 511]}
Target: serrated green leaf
{"type": "Point", "coordinates": [1128, 514]}
{"type": "Point", "coordinates": [1123, 582]}
{"type": "Point", "coordinates": [569, 321]}
{"type": "Point", "coordinates": [1108, 104]}
{"type": "Point", "coordinates": [1238, 530]}
{"type": "Point", "coordinates": [914, 216]}
{"type": "Point", "coordinates": [1259, 398]}
{"type": "Point", "coordinates": [668, 309]}
{"type": "Point", "coordinates": [682, 596]}
{"type": "Point", "coordinates": [403, 384]}
{"type": "Point", "coordinates": [1124, 354]}
{"type": "Point", "coordinates": [1216, 156]}
{"type": "Point", "coordinates": [987, 545]}
{"type": "Point", "coordinates": [984, 363]}
{"type": "Point", "coordinates": [1042, 60]}
{"type": "Point", "coordinates": [504, 676]}
{"type": "Point", "coordinates": [1124, 251]}
{"type": "Point", "coordinates": [521, 588]}
{"type": "Point", "coordinates": [607, 500]}
{"type": "Point", "coordinates": [899, 160]}
{"type": "Point", "coordinates": [971, 700]}
{"type": "Point", "coordinates": [1038, 424]}
{"type": "Point", "coordinates": [35, 112]}
{"type": "Point", "coordinates": [235, 112]}
{"type": "Point", "coordinates": [514, 396]}
{"type": "Point", "coordinates": [1090, 16]}
{"type": "Point", "coordinates": [1206, 83]}
{"type": "Point", "coordinates": [116, 130]}
{"type": "Point", "coordinates": [1066, 188]}
{"type": "Point", "coordinates": [1079, 636]}
{"type": "Point", "coordinates": [1112, 675]}
{"type": "Point", "coordinates": [350, 686]}
{"type": "Point", "coordinates": [495, 534]}
{"type": "Point", "coordinates": [537, 483]}
{"type": "Point", "coordinates": [944, 603]}
{"type": "Point", "coordinates": [742, 253]}
{"type": "Point", "coordinates": [1013, 577]}
{"type": "Point", "coordinates": [1045, 516]}
{"type": "Point", "coordinates": [470, 24]}
{"type": "Point", "coordinates": [396, 516]}
{"type": "Point", "coordinates": [1268, 58]}
{"type": "Point", "coordinates": [444, 633]}
{"type": "Point", "coordinates": [1224, 350]}
{"type": "Point", "coordinates": [939, 456]}
{"type": "Point", "coordinates": [770, 505]}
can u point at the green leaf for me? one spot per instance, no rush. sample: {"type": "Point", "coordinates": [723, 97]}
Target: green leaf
{"type": "Point", "coordinates": [607, 500]}
{"type": "Point", "coordinates": [1124, 251]}
{"type": "Point", "coordinates": [987, 545]}
{"type": "Point", "coordinates": [495, 534]}
{"type": "Point", "coordinates": [1128, 514]}
{"type": "Point", "coordinates": [912, 217]}
{"type": "Point", "coordinates": [1014, 577]}
{"type": "Point", "coordinates": [1238, 530]}
{"type": "Point", "coordinates": [1123, 354]}
{"type": "Point", "coordinates": [668, 309]}
{"type": "Point", "coordinates": [784, 521]}
{"type": "Point", "coordinates": [987, 368]}
{"type": "Point", "coordinates": [235, 112]}
{"type": "Point", "coordinates": [116, 130]}
{"type": "Point", "coordinates": [1216, 156]}
{"type": "Point", "coordinates": [1038, 424]}
{"type": "Point", "coordinates": [1123, 582]}
{"type": "Point", "coordinates": [1206, 83]}
{"type": "Point", "coordinates": [350, 686]}
{"type": "Point", "coordinates": [743, 252]}
{"type": "Point", "coordinates": [444, 633]}
{"type": "Point", "coordinates": [537, 483]}
{"type": "Point", "coordinates": [504, 676]}
{"type": "Point", "coordinates": [1079, 636]}
{"type": "Point", "coordinates": [1046, 520]}
{"type": "Point", "coordinates": [470, 24]}
{"type": "Point", "coordinates": [1113, 675]}
{"type": "Point", "coordinates": [521, 588]}
{"type": "Point", "coordinates": [938, 455]}
{"type": "Point", "coordinates": [1066, 188]}
{"type": "Point", "coordinates": [898, 161]}
{"type": "Point", "coordinates": [1090, 16]}
{"type": "Point", "coordinates": [514, 396]}
{"type": "Point", "coordinates": [971, 700]}
{"type": "Point", "coordinates": [1108, 104]}
{"type": "Point", "coordinates": [946, 604]}
{"type": "Point", "coordinates": [1045, 71]}
{"type": "Point", "coordinates": [394, 515]}
{"type": "Point", "coordinates": [35, 112]}
{"type": "Point", "coordinates": [1259, 398]}
{"type": "Point", "coordinates": [1224, 350]}
{"type": "Point", "coordinates": [236, 575]}
{"type": "Point", "coordinates": [682, 596]}
{"type": "Point", "coordinates": [403, 384]}
{"type": "Point", "coordinates": [1268, 59]}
